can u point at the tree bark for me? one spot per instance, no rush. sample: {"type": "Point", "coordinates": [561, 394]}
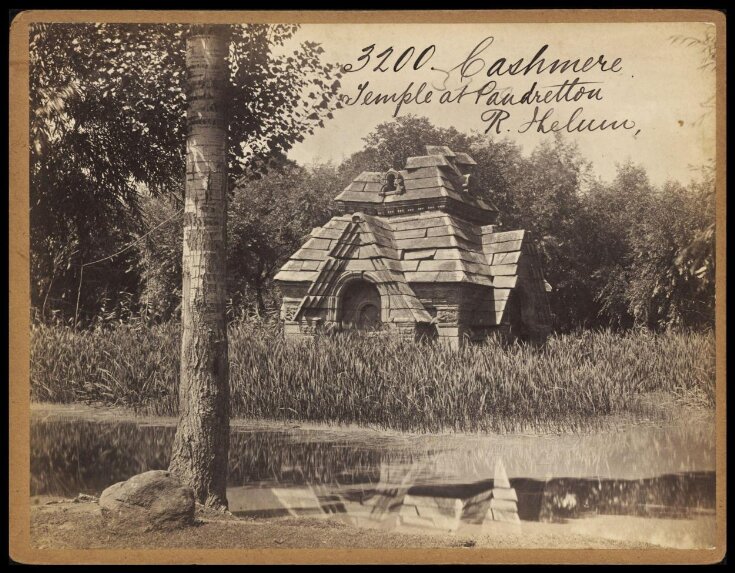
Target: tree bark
{"type": "Point", "coordinates": [201, 443]}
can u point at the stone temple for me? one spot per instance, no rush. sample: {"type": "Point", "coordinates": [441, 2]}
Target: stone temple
{"type": "Point", "coordinates": [417, 252]}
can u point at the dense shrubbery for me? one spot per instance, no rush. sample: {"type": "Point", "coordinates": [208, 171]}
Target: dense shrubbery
{"type": "Point", "coordinates": [388, 382]}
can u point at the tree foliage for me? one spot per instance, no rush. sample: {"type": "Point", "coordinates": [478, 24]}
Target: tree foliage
{"type": "Point", "coordinates": [159, 253]}
{"type": "Point", "coordinates": [269, 219]}
{"type": "Point", "coordinates": [107, 120]}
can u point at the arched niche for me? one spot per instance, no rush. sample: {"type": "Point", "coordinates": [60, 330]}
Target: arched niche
{"type": "Point", "coordinates": [359, 305]}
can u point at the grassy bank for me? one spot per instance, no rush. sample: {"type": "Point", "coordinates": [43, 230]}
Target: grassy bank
{"type": "Point", "coordinates": [396, 384]}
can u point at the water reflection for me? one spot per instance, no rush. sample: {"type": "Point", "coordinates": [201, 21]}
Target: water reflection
{"type": "Point", "coordinates": [442, 486]}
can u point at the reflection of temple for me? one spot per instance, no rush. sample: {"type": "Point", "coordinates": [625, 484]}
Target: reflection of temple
{"type": "Point", "coordinates": [406, 496]}
{"type": "Point", "coordinates": [387, 504]}
{"type": "Point", "coordinates": [418, 252]}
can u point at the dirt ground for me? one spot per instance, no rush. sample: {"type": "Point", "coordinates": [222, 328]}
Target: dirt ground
{"type": "Point", "coordinates": [64, 524]}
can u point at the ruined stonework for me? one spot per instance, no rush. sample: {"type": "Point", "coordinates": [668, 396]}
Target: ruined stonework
{"type": "Point", "coordinates": [417, 252]}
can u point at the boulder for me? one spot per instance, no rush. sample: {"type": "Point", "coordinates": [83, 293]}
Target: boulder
{"type": "Point", "coordinates": [151, 500]}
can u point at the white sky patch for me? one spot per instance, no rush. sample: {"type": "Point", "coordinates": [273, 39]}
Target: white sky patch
{"type": "Point", "coordinates": [660, 88]}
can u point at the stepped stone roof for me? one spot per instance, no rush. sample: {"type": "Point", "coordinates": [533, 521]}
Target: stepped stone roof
{"type": "Point", "coordinates": [429, 248]}
{"type": "Point", "coordinates": [412, 229]}
{"type": "Point", "coordinates": [438, 180]}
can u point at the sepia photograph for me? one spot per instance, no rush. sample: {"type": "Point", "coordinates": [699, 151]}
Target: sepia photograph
{"type": "Point", "coordinates": [368, 287]}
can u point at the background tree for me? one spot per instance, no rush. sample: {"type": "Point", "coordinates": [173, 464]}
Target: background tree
{"type": "Point", "coordinates": [87, 152]}
{"type": "Point", "coordinates": [392, 142]}
{"type": "Point", "coordinates": [270, 217]}
{"type": "Point", "coordinates": [671, 274]}
{"type": "Point", "coordinates": [160, 254]}
{"type": "Point", "coordinates": [696, 259]}
{"type": "Point", "coordinates": [613, 209]}
{"type": "Point", "coordinates": [655, 265]}
{"type": "Point", "coordinates": [547, 197]}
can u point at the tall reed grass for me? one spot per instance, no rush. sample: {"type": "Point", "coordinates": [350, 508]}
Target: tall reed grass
{"type": "Point", "coordinates": [388, 382]}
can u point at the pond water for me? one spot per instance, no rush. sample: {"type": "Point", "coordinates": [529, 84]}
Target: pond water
{"type": "Point", "coordinates": [648, 482]}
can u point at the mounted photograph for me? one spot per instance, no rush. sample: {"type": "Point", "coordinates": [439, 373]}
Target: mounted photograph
{"type": "Point", "coordinates": [367, 283]}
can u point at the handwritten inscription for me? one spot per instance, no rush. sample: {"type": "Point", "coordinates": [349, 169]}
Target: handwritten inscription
{"type": "Point", "coordinates": [552, 81]}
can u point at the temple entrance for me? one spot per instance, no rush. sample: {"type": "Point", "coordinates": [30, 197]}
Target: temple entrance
{"type": "Point", "coordinates": [360, 308]}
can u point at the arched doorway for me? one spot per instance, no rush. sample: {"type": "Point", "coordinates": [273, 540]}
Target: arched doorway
{"type": "Point", "coordinates": [360, 306]}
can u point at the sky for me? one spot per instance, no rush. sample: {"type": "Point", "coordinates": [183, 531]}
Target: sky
{"type": "Point", "coordinates": [659, 88]}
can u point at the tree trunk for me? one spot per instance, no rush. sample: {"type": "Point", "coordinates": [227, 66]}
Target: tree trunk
{"type": "Point", "coordinates": [201, 444]}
